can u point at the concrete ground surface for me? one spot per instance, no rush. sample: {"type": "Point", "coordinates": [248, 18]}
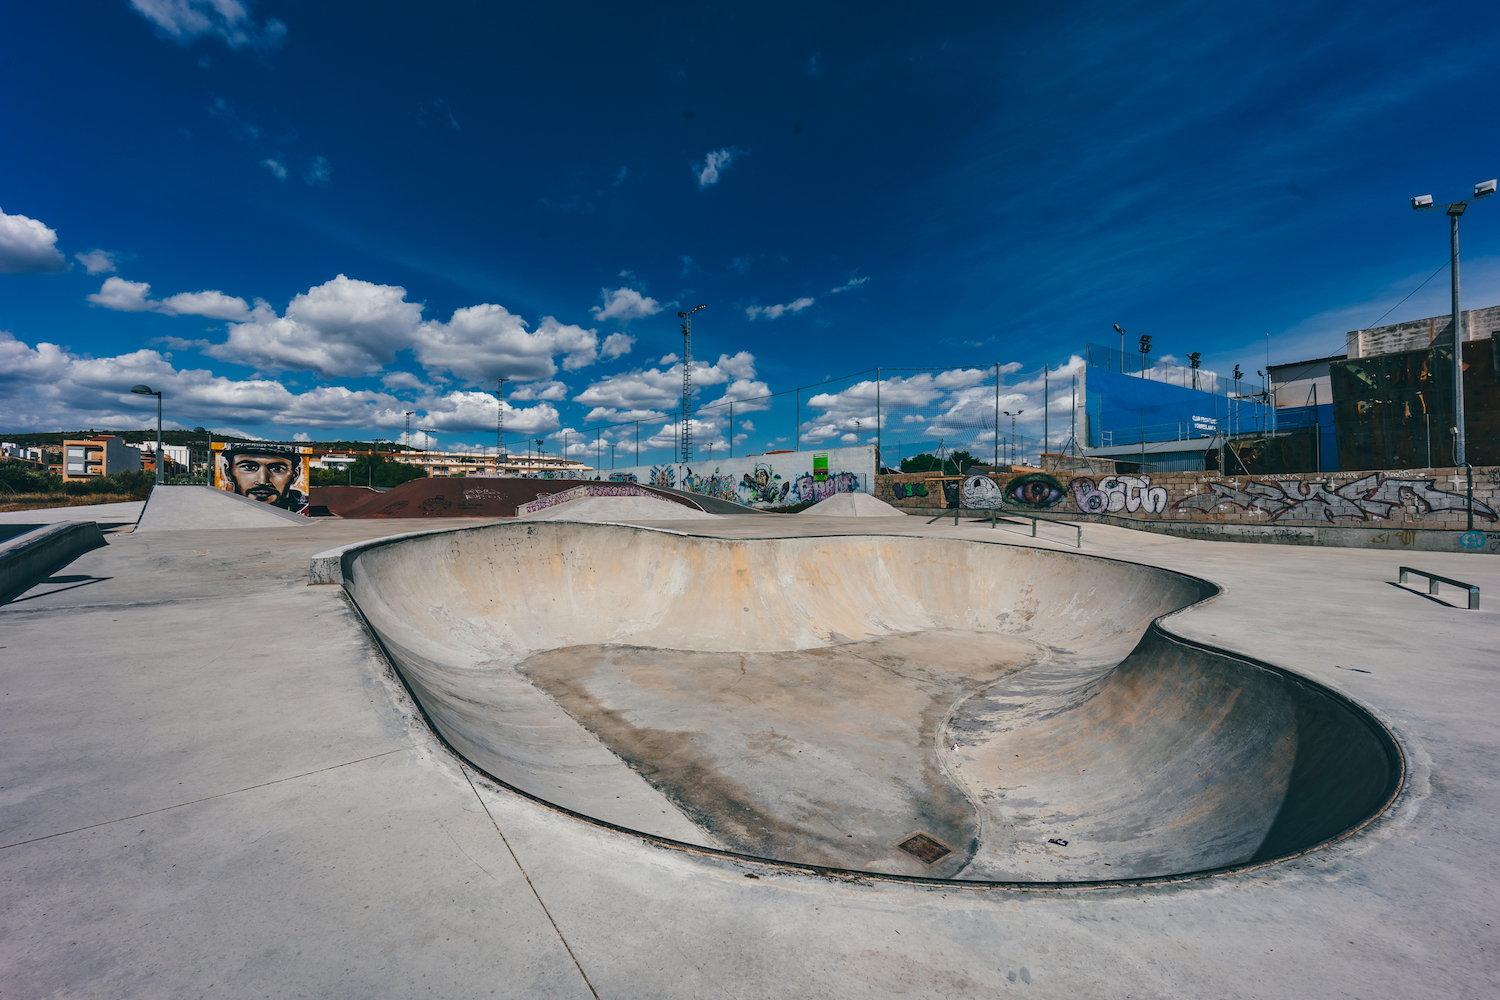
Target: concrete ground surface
{"type": "Point", "coordinates": [212, 783]}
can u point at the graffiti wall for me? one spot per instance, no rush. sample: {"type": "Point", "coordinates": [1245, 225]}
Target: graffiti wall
{"type": "Point", "coordinates": [1430, 498]}
{"type": "Point", "coordinates": [277, 474]}
{"type": "Point", "coordinates": [775, 480]}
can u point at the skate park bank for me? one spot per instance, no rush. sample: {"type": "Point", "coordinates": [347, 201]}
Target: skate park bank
{"type": "Point", "coordinates": [222, 777]}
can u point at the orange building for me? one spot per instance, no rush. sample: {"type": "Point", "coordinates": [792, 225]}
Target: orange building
{"type": "Point", "coordinates": [100, 455]}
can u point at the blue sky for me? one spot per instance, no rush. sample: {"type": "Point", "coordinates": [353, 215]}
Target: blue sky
{"type": "Point", "coordinates": [347, 211]}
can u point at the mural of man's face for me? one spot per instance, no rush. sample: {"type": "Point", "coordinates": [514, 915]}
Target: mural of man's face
{"type": "Point", "coordinates": [262, 477]}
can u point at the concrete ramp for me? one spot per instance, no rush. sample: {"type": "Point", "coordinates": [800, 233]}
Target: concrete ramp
{"type": "Point", "coordinates": [854, 505]}
{"type": "Point", "coordinates": [903, 706]}
{"type": "Point", "coordinates": [186, 508]}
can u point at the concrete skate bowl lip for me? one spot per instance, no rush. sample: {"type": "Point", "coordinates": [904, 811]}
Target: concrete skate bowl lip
{"type": "Point", "coordinates": [1302, 822]}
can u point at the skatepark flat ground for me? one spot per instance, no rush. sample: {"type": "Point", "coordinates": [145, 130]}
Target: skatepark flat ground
{"type": "Point", "coordinates": [213, 783]}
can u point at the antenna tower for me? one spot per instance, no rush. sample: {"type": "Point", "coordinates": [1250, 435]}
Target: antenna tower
{"type": "Point", "coordinates": [687, 381]}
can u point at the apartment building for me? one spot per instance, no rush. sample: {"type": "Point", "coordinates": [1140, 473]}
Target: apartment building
{"type": "Point", "coordinates": [100, 455]}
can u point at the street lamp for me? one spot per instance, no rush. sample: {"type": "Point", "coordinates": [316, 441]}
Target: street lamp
{"type": "Point", "coordinates": [1011, 458]}
{"type": "Point", "coordinates": [146, 390]}
{"type": "Point", "coordinates": [1121, 331]}
{"type": "Point", "coordinates": [1423, 203]}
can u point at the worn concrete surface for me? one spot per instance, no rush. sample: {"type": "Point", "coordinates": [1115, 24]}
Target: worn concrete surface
{"type": "Point", "coordinates": [212, 783]}
{"type": "Point", "coordinates": [189, 508]}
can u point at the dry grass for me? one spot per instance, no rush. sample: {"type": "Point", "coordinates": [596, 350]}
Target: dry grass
{"type": "Point", "coordinates": [43, 501]}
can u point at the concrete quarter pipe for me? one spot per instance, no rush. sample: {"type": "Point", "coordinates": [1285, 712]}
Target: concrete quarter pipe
{"type": "Point", "coordinates": [899, 707]}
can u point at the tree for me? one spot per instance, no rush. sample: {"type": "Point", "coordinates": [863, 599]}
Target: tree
{"type": "Point", "coordinates": [377, 470]}
{"type": "Point", "coordinates": [954, 466]}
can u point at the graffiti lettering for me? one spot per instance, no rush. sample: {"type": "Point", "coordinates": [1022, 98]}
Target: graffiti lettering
{"type": "Point", "coordinates": [982, 493]}
{"type": "Point", "coordinates": [905, 491]}
{"type": "Point", "coordinates": [1114, 493]}
{"type": "Point", "coordinates": [1372, 498]}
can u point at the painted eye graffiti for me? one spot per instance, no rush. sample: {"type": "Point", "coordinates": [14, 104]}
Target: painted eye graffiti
{"type": "Point", "coordinates": [1035, 489]}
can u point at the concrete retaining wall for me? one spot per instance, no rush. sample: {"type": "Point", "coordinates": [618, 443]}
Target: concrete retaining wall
{"type": "Point", "coordinates": [1411, 503]}
{"type": "Point", "coordinates": [28, 558]}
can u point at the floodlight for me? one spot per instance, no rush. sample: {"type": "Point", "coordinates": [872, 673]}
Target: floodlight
{"type": "Point", "coordinates": [144, 390]}
{"type": "Point", "coordinates": [1484, 189]}
{"type": "Point", "coordinates": [1422, 202]}
{"type": "Point", "coordinates": [1457, 208]}
{"type": "Point", "coordinates": [1119, 329]}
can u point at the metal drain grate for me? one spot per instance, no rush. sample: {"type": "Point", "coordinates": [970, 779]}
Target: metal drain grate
{"type": "Point", "coordinates": [924, 848]}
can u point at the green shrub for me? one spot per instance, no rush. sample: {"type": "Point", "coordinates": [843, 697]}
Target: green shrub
{"type": "Point", "coordinates": [18, 477]}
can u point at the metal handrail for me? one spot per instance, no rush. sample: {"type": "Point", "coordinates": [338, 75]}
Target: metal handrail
{"type": "Point", "coordinates": [1433, 580]}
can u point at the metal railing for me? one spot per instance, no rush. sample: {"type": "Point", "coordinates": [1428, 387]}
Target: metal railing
{"type": "Point", "coordinates": [1432, 584]}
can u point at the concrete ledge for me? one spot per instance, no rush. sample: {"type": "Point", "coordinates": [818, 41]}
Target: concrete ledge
{"type": "Point", "coordinates": [34, 555]}
{"type": "Point", "coordinates": [326, 568]}
{"type": "Point", "coordinates": [181, 508]}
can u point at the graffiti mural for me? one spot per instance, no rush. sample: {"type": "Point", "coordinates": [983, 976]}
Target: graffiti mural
{"type": "Point", "coordinates": [273, 474]}
{"type": "Point", "coordinates": [982, 493]}
{"type": "Point", "coordinates": [1116, 493]}
{"type": "Point", "coordinates": [1372, 498]}
{"type": "Point", "coordinates": [762, 487]}
{"type": "Point", "coordinates": [808, 489]}
{"type": "Point", "coordinates": [720, 485]}
{"type": "Point", "coordinates": [664, 476]}
{"type": "Point", "coordinates": [1034, 491]}
{"type": "Point", "coordinates": [622, 477]}
{"type": "Point", "coordinates": [905, 491]}
{"type": "Point", "coordinates": [773, 479]}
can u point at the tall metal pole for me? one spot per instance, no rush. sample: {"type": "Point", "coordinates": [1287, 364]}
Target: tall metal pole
{"type": "Point", "coordinates": [731, 428]}
{"type": "Point", "coordinates": [997, 414]}
{"type": "Point", "coordinates": [160, 459]}
{"type": "Point", "coordinates": [500, 421]}
{"type": "Point", "coordinates": [798, 445]}
{"type": "Point", "coordinates": [687, 381]}
{"type": "Point", "coordinates": [877, 419]}
{"type": "Point", "coordinates": [1459, 449]}
{"type": "Point", "coordinates": [1046, 412]}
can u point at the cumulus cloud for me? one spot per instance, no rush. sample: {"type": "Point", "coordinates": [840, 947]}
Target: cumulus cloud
{"type": "Point", "coordinates": [402, 380]}
{"type": "Point", "coordinates": [965, 401]}
{"type": "Point", "coordinates": [135, 296]}
{"type": "Point", "coordinates": [554, 391]}
{"type": "Point", "coordinates": [96, 261]}
{"type": "Point", "coordinates": [28, 247]}
{"type": "Point", "coordinates": [650, 393]}
{"type": "Point", "coordinates": [185, 21]}
{"type": "Point", "coordinates": [341, 327]}
{"type": "Point", "coordinates": [484, 341]}
{"type": "Point", "coordinates": [276, 167]}
{"type": "Point", "coordinates": [713, 163]}
{"type": "Point", "coordinates": [777, 311]}
{"type": "Point", "coordinates": [615, 345]}
{"type": "Point", "coordinates": [625, 304]}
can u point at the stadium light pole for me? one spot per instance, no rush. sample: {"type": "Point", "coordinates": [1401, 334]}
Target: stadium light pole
{"type": "Point", "coordinates": [687, 380]}
{"type": "Point", "coordinates": [1423, 203]}
{"type": "Point", "coordinates": [1013, 416]}
{"type": "Point", "coordinates": [146, 390]}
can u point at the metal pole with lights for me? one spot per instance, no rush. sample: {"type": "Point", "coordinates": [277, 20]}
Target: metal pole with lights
{"type": "Point", "coordinates": [1423, 203]}
{"type": "Point", "coordinates": [687, 380]}
{"type": "Point", "coordinates": [146, 390]}
{"type": "Point", "coordinates": [1011, 458]}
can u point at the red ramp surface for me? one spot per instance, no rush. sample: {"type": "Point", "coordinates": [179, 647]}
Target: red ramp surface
{"type": "Point", "coordinates": [451, 497]}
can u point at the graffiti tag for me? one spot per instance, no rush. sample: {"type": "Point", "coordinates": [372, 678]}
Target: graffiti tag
{"type": "Point", "coordinates": [1114, 493]}
{"type": "Point", "coordinates": [1370, 498]}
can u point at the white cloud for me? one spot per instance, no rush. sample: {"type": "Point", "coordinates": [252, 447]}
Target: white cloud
{"type": "Point", "coordinates": [402, 380]}
{"type": "Point", "coordinates": [650, 393]}
{"type": "Point", "coordinates": [777, 311]}
{"type": "Point", "coordinates": [96, 261]}
{"type": "Point", "coordinates": [276, 167]}
{"type": "Point", "coordinates": [615, 345]}
{"type": "Point", "coordinates": [134, 296]}
{"type": "Point", "coordinates": [472, 410]}
{"type": "Point", "coordinates": [28, 247]}
{"type": "Point", "coordinates": [965, 401]}
{"type": "Point", "coordinates": [341, 327]}
{"type": "Point", "coordinates": [848, 286]}
{"type": "Point", "coordinates": [301, 436]}
{"type": "Point", "coordinates": [319, 172]}
{"type": "Point", "coordinates": [708, 173]}
{"type": "Point", "coordinates": [483, 342]}
{"type": "Point", "coordinates": [554, 391]}
{"type": "Point", "coordinates": [184, 21]}
{"type": "Point", "coordinates": [625, 304]}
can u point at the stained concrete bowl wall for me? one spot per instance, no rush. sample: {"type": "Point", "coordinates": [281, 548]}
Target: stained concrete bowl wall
{"type": "Point", "coordinates": [594, 667]}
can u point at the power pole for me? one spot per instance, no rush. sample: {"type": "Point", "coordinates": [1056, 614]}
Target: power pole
{"type": "Point", "coordinates": [687, 380]}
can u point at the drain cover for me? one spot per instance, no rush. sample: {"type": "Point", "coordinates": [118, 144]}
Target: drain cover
{"type": "Point", "coordinates": [924, 848]}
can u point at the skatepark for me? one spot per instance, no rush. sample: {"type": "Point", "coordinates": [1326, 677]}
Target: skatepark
{"type": "Point", "coordinates": [622, 745]}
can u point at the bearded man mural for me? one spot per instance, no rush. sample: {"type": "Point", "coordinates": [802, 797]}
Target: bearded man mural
{"type": "Point", "coordinates": [266, 473]}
